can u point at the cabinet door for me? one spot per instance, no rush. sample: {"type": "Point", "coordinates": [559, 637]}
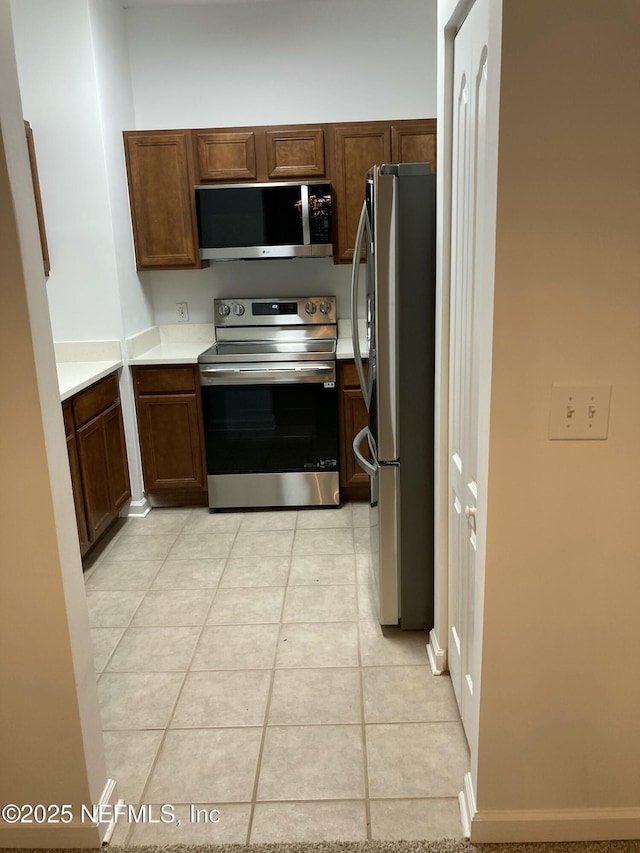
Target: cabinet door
{"type": "Point", "coordinates": [295, 153]}
{"type": "Point", "coordinates": [163, 213]}
{"type": "Point", "coordinates": [358, 147]}
{"type": "Point", "coordinates": [170, 443]}
{"type": "Point", "coordinates": [94, 470]}
{"type": "Point", "coordinates": [414, 142]}
{"type": "Point", "coordinates": [353, 417]}
{"type": "Point", "coordinates": [226, 155]}
{"type": "Point", "coordinates": [78, 495]}
{"type": "Point", "coordinates": [117, 457]}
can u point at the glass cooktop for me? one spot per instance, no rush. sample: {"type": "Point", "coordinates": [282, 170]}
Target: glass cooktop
{"type": "Point", "coordinates": [252, 351]}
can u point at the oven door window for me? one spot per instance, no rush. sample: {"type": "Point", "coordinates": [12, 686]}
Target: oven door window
{"type": "Point", "coordinates": [270, 428]}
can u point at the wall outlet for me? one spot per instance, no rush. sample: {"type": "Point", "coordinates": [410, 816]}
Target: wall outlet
{"type": "Point", "coordinates": [182, 312]}
{"type": "Point", "coordinates": [579, 411]}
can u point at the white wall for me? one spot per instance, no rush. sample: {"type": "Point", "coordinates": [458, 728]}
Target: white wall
{"type": "Point", "coordinates": [58, 86]}
{"type": "Point", "coordinates": [115, 100]}
{"type": "Point", "coordinates": [560, 698]}
{"type": "Point", "coordinates": [268, 63]}
{"type": "Point", "coordinates": [294, 277]}
{"type": "Point", "coordinates": [283, 62]}
{"type": "Point", "coordinates": [76, 91]}
{"type": "Point", "coordinates": [50, 732]}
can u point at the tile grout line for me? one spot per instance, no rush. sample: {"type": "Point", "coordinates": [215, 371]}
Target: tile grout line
{"type": "Point", "coordinates": [267, 710]}
{"type": "Point", "coordinates": [131, 828]}
{"type": "Point", "coordinates": [172, 711]}
{"type": "Point", "coordinates": [144, 594]}
{"type": "Point", "coordinates": [365, 760]}
{"type": "Point", "coordinates": [363, 620]}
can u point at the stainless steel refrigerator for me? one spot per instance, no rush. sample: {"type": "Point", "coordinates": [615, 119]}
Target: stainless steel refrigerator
{"type": "Point", "coordinates": [396, 289]}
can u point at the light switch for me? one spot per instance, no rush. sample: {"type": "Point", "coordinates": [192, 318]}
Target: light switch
{"type": "Point", "coordinates": [579, 411]}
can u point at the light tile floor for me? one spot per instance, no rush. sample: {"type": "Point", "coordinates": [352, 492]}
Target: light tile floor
{"type": "Point", "coordinates": [241, 668]}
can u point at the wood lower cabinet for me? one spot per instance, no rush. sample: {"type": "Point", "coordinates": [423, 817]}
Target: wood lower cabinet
{"type": "Point", "coordinates": [161, 180]}
{"type": "Point", "coordinates": [170, 430]}
{"type": "Point", "coordinates": [78, 495]}
{"type": "Point", "coordinates": [354, 483]}
{"type": "Point", "coordinates": [97, 458]}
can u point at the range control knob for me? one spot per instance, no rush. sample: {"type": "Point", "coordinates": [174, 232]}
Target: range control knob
{"type": "Point", "coordinates": [325, 307]}
{"type": "Point", "coordinates": [311, 307]}
{"type": "Point", "coordinates": [238, 310]}
{"type": "Point", "coordinates": [224, 310]}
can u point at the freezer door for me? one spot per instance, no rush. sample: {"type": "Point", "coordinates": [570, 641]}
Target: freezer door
{"type": "Point", "coordinates": [383, 528]}
{"type": "Point", "coordinates": [383, 539]}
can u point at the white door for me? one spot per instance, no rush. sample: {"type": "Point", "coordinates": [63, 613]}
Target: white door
{"type": "Point", "coordinates": [472, 264]}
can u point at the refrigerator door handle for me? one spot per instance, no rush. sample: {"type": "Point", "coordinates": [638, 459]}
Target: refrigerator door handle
{"type": "Point", "coordinates": [371, 468]}
{"type": "Point", "coordinates": [363, 225]}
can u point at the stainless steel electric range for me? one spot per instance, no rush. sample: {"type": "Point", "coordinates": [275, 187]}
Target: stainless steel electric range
{"type": "Point", "coordinates": [270, 404]}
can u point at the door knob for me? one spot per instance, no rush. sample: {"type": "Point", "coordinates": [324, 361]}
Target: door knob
{"type": "Point", "coordinates": [470, 512]}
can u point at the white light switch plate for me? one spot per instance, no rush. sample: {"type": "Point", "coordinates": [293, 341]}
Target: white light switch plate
{"type": "Point", "coordinates": [579, 411]}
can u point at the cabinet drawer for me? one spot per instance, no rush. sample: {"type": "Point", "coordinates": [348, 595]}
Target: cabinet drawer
{"type": "Point", "coordinates": [87, 404]}
{"type": "Point", "coordinates": [159, 380]}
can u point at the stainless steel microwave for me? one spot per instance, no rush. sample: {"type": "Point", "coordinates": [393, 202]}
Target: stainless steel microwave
{"type": "Point", "coordinates": [251, 221]}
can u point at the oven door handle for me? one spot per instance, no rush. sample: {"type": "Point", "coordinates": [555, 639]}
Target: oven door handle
{"type": "Point", "coordinates": [325, 373]}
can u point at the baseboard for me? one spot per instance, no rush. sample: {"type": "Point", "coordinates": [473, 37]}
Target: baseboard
{"type": "Point", "coordinates": [137, 509]}
{"type": "Point", "coordinates": [80, 832]}
{"type": "Point", "coordinates": [467, 804]}
{"type": "Point", "coordinates": [540, 825]}
{"type": "Point", "coordinates": [437, 655]}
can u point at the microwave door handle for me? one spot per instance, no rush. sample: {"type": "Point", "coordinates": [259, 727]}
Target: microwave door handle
{"type": "Point", "coordinates": [371, 468]}
{"type": "Point", "coordinates": [363, 225]}
{"type": "Point", "coordinates": [306, 229]}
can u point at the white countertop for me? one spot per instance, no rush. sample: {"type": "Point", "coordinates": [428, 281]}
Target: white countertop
{"type": "Point", "coordinates": [80, 364]}
{"type": "Point", "coordinates": [172, 353]}
{"type": "Point", "coordinates": [74, 376]}
{"type": "Point", "coordinates": [344, 348]}
{"type": "Point", "coordinates": [180, 343]}
{"type": "Point", "coordinates": [159, 345]}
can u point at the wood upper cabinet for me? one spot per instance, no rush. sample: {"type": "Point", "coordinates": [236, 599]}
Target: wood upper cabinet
{"type": "Point", "coordinates": [354, 482]}
{"type": "Point", "coordinates": [226, 155]}
{"type": "Point", "coordinates": [260, 154]}
{"type": "Point", "coordinates": [97, 458]}
{"type": "Point", "coordinates": [170, 430]}
{"type": "Point", "coordinates": [161, 181]}
{"type": "Point", "coordinates": [357, 147]}
{"type": "Point", "coordinates": [295, 153]}
{"type": "Point", "coordinates": [414, 142]}
{"type": "Point", "coordinates": [164, 166]}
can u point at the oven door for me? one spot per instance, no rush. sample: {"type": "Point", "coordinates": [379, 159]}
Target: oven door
{"type": "Point", "coordinates": [271, 434]}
